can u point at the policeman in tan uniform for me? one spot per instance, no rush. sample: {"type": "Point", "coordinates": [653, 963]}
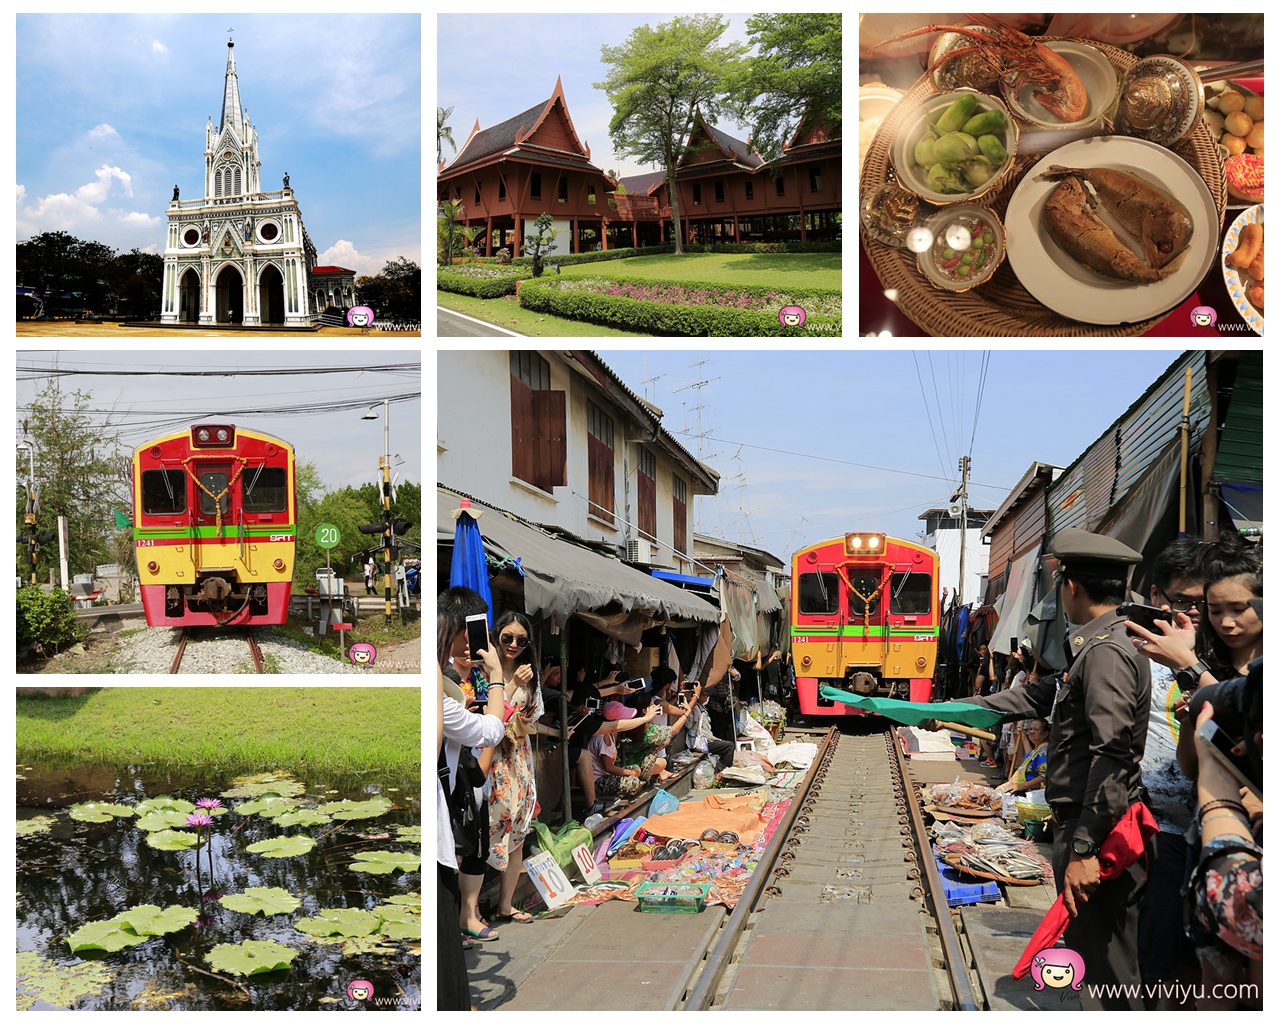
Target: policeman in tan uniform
{"type": "Point", "coordinates": [1098, 712]}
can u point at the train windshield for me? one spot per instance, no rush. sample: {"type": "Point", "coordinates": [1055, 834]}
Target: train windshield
{"type": "Point", "coordinates": [164, 492]}
{"type": "Point", "coordinates": [863, 587]}
{"type": "Point", "coordinates": [264, 489]}
{"type": "Point", "coordinates": [911, 594]}
{"type": "Point", "coordinates": [213, 483]}
{"type": "Point", "coordinates": [819, 593]}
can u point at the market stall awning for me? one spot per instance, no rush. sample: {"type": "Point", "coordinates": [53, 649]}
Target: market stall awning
{"type": "Point", "coordinates": [1015, 602]}
{"type": "Point", "coordinates": [562, 578]}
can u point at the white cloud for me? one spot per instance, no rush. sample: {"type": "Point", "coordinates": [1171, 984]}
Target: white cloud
{"type": "Point", "coordinates": [96, 191]}
{"type": "Point", "coordinates": [67, 212]}
{"type": "Point", "coordinates": [141, 220]}
{"type": "Point", "coordinates": [158, 47]}
{"type": "Point", "coordinates": [103, 130]}
{"type": "Point", "coordinates": [22, 192]}
{"type": "Point", "coordinates": [343, 254]}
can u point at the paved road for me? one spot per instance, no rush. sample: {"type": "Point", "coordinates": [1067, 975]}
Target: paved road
{"type": "Point", "coordinates": [450, 324]}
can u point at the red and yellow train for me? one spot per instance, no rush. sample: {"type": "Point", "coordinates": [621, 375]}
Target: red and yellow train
{"type": "Point", "coordinates": [214, 524]}
{"type": "Point", "coordinates": [864, 618]}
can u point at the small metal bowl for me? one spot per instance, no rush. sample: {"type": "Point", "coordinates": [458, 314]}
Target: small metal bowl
{"type": "Point", "coordinates": [938, 225]}
{"type": "Point", "coordinates": [912, 129]}
{"type": "Point", "coordinates": [1095, 71]}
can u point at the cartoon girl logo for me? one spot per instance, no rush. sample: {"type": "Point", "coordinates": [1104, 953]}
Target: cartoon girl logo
{"type": "Point", "coordinates": [362, 654]}
{"type": "Point", "coordinates": [360, 316]}
{"type": "Point", "coordinates": [360, 991]}
{"type": "Point", "coordinates": [1204, 316]}
{"type": "Point", "coordinates": [791, 316]}
{"type": "Point", "coordinates": [1058, 967]}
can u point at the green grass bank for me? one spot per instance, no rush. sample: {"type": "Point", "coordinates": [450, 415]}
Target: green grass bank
{"type": "Point", "coordinates": [771, 269]}
{"type": "Point", "coordinates": [325, 732]}
{"type": "Point", "coordinates": [507, 312]}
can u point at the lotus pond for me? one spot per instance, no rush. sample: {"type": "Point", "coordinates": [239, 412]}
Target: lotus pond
{"type": "Point", "coordinates": [145, 890]}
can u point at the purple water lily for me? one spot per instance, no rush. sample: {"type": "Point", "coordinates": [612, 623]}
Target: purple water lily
{"type": "Point", "coordinates": [199, 820]}
{"type": "Point", "coordinates": [209, 803]}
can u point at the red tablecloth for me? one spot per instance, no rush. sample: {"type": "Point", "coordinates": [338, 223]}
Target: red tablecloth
{"type": "Point", "coordinates": [877, 314]}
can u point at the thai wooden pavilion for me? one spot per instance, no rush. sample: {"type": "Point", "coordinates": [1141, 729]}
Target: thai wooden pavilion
{"type": "Point", "coordinates": [534, 163]}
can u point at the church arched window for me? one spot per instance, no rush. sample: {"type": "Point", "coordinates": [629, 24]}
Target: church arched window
{"type": "Point", "coordinates": [237, 181]}
{"type": "Point", "coordinates": [217, 183]}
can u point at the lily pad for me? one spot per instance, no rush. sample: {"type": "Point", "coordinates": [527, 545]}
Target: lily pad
{"type": "Point", "coordinates": [163, 803]}
{"type": "Point", "coordinates": [409, 899]}
{"type": "Point", "coordinates": [280, 783]}
{"type": "Point", "coordinates": [58, 986]}
{"type": "Point", "coordinates": [350, 810]}
{"type": "Point", "coordinates": [171, 840]}
{"type": "Point", "coordinates": [283, 846]}
{"type": "Point", "coordinates": [302, 816]}
{"type": "Point", "coordinates": [156, 820]}
{"type": "Point", "coordinates": [129, 928]}
{"type": "Point", "coordinates": [339, 922]}
{"type": "Point", "coordinates": [375, 945]}
{"type": "Point", "coordinates": [94, 811]}
{"type": "Point", "coordinates": [267, 806]}
{"type": "Point", "coordinates": [151, 920]}
{"type": "Point", "coordinates": [409, 833]}
{"type": "Point", "coordinates": [397, 914]}
{"type": "Point", "coordinates": [34, 826]}
{"type": "Point", "coordinates": [408, 929]}
{"type": "Point", "coordinates": [384, 862]}
{"type": "Point", "coordinates": [261, 900]}
{"type": "Point", "coordinates": [254, 956]}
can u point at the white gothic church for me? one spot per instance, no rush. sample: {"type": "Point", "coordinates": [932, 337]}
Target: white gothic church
{"type": "Point", "coordinates": [238, 255]}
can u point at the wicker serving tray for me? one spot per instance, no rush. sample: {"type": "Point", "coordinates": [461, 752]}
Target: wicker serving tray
{"type": "Point", "coordinates": [1001, 307]}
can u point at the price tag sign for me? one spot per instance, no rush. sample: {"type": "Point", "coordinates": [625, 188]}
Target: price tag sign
{"type": "Point", "coordinates": [586, 864]}
{"type": "Point", "coordinates": [327, 535]}
{"type": "Point", "coordinates": [548, 878]}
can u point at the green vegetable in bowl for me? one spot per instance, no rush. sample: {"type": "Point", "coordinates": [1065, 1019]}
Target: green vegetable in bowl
{"type": "Point", "coordinates": [945, 179]}
{"type": "Point", "coordinates": [987, 121]}
{"type": "Point", "coordinates": [924, 149]}
{"type": "Point", "coordinates": [957, 114]}
{"type": "Point", "coordinates": [977, 172]}
{"type": "Point", "coordinates": [992, 149]}
{"type": "Point", "coordinates": [954, 148]}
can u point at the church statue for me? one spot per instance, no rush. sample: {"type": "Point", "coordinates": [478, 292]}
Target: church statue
{"type": "Point", "coordinates": [175, 193]}
{"type": "Point", "coordinates": [286, 179]}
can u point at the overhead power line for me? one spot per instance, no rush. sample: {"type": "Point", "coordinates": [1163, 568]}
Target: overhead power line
{"type": "Point", "coordinates": [57, 371]}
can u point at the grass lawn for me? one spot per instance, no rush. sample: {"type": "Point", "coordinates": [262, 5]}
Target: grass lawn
{"type": "Point", "coordinates": [779, 270]}
{"type": "Point", "coordinates": [325, 731]}
{"type": "Point", "coordinates": [507, 312]}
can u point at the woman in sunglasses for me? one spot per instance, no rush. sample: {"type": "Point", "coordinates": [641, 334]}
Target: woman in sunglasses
{"type": "Point", "coordinates": [513, 796]}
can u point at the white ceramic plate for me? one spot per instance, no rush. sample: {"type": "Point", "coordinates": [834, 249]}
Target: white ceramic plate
{"type": "Point", "coordinates": [1075, 291]}
{"type": "Point", "coordinates": [1237, 280]}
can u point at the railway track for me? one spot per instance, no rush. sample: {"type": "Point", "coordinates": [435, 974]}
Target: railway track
{"type": "Point", "coordinates": [846, 910]}
{"type": "Point", "coordinates": [254, 650]}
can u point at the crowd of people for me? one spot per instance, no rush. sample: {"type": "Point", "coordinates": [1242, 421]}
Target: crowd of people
{"type": "Point", "coordinates": [1125, 723]}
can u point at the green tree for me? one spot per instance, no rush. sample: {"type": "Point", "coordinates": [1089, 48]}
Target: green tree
{"type": "Point", "coordinates": [395, 293]}
{"type": "Point", "coordinates": [659, 79]}
{"type": "Point", "coordinates": [794, 82]}
{"type": "Point", "coordinates": [538, 245]}
{"type": "Point", "coordinates": [443, 132]}
{"type": "Point", "coordinates": [78, 473]}
{"type": "Point", "coordinates": [451, 212]}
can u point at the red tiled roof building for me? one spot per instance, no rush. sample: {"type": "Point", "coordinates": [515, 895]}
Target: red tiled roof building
{"type": "Point", "coordinates": [507, 175]}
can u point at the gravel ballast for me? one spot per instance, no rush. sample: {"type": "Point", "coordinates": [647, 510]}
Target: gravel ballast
{"type": "Point", "coordinates": [152, 651]}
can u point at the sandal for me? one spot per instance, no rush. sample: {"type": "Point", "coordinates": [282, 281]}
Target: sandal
{"type": "Point", "coordinates": [467, 943]}
{"type": "Point", "coordinates": [485, 934]}
{"type": "Point", "coordinates": [515, 917]}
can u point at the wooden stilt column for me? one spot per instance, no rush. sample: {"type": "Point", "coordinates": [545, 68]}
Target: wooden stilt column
{"type": "Point", "coordinates": [488, 236]}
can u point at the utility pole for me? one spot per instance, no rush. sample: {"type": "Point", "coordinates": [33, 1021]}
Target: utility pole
{"type": "Point", "coordinates": [964, 522]}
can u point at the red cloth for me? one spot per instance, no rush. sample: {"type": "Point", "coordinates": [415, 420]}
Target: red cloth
{"type": "Point", "coordinates": [1127, 842]}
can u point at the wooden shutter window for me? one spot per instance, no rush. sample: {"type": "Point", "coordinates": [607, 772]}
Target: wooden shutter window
{"type": "Point", "coordinates": [679, 515]}
{"type": "Point", "coordinates": [549, 432]}
{"type": "Point", "coordinates": [522, 432]}
{"type": "Point", "coordinates": [647, 493]}
{"type": "Point", "coordinates": [600, 478]}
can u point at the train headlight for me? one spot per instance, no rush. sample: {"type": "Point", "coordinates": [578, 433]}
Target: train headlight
{"type": "Point", "coordinates": [873, 543]}
{"type": "Point", "coordinates": [278, 563]}
{"type": "Point", "coordinates": [855, 542]}
{"type": "Point", "coordinates": [202, 435]}
{"type": "Point", "coordinates": [222, 434]}
{"type": "Point", "coordinates": [153, 567]}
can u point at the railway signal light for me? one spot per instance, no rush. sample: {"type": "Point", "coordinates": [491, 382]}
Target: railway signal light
{"type": "Point", "coordinates": [374, 528]}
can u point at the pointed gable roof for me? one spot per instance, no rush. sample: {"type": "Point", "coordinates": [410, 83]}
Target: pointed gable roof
{"type": "Point", "coordinates": [543, 129]}
{"type": "Point", "coordinates": [732, 151]}
{"type": "Point", "coordinates": [642, 184]}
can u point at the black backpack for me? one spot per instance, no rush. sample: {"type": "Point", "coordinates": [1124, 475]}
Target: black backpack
{"type": "Point", "coordinates": [469, 831]}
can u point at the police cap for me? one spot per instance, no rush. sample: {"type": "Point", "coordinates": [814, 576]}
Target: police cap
{"type": "Point", "coordinates": [1092, 554]}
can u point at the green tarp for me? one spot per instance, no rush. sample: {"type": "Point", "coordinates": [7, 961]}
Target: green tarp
{"type": "Point", "coordinates": [906, 712]}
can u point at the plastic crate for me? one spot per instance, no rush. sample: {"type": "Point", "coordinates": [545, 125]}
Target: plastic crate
{"type": "Point", "coordinates": [672, 897]}
{"type": "Point", "coordinates": [962, 894]}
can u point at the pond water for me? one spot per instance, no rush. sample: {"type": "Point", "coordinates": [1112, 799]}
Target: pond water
{"type": "Point", "coordinates": [78, 872]}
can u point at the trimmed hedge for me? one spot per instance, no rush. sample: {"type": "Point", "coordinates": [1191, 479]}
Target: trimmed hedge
{"type": "Point", "coordinates": [569, 259]}
{"type": "Point", "coordinates": [759, 290]}
{"type": "Point", "coordinates": [662, 318]}
{"type": "Point", "coordinates": [730, 247]}
{"type": "Point", "coordinates": [481, 287]}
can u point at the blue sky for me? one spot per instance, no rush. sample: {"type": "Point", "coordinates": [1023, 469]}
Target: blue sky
{"type": "Point", "coordinates": [547, 45]}
{"type": "Point", "coordinates": [344, 448]}
{"type": "Point", "coordinates": [1037, 406]}
{"type": "Point", "coordinates": [111, 112]}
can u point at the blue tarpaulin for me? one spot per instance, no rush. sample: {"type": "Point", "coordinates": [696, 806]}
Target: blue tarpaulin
{"type": "Point", "coordinates": [468, 568]}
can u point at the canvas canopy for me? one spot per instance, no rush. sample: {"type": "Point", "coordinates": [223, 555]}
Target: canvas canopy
{"type": "Point", "coordinates": [563, 579]}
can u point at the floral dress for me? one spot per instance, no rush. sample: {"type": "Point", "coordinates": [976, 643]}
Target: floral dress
{"type": "Point", "coordinates": [513, 796]}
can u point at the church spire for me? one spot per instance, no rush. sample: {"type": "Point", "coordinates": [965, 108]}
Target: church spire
{"type": "Point", "coordinates": [231, 111]}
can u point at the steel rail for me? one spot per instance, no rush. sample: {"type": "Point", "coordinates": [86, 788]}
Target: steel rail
{"type": "Point", "coordinates": [718, 959]}
{"type": "Point", "coordinates": [256, 651]}
{"type": "Point", "coordinates": [177, 658]}
{"type": "Point", "coordinates": [957, 965]}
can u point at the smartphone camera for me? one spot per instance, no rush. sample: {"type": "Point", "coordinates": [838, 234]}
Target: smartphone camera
{"type": "Point", "coordinates": [594, 704]}
{"type": "Point", "coordinates": [477, 634]}
{"type": "Point", "coordinates": [1145, 615]}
